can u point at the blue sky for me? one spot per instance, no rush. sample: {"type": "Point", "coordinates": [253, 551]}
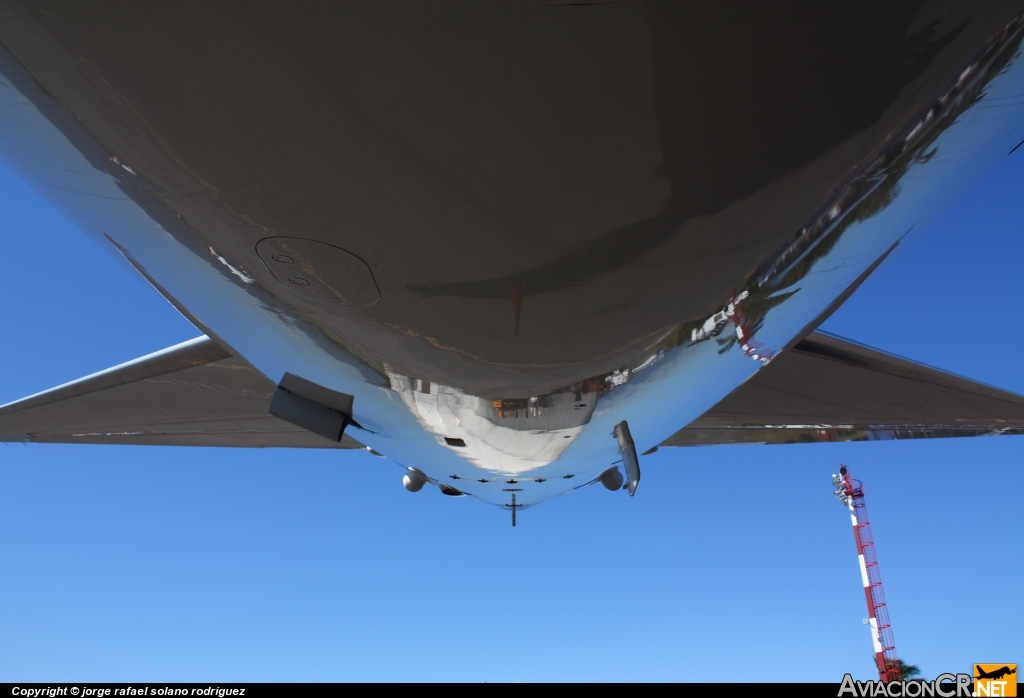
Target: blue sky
{"type": "Point", "coordinates": [174, 564]}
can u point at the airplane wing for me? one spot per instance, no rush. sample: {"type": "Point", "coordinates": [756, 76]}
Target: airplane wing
{"type": "Point", "coordinates": [830, 389]}
{"type": "Point", "coordinates": [192, 394]}
{"type": "Point", "coordinates": [823, 389]}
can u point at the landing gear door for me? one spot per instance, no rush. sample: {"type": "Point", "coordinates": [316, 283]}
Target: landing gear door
{"type": "Point", "coordinates": [630, 462]}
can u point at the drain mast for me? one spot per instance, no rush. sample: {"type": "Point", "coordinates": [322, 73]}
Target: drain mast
{"type": "Point", "coordinates": [851, 493]}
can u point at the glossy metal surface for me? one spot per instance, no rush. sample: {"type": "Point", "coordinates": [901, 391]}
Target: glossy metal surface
{"type": "Point", "coordinates": [572, 216]}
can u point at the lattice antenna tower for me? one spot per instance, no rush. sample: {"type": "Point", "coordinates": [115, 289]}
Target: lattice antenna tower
{"type": "Point", "coordinates": [851, 493]}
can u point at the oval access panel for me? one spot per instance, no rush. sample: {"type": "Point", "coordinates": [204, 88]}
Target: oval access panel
{"type": "Point", "coordinates": [319, 271]}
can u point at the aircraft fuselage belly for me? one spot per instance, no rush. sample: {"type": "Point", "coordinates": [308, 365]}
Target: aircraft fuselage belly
{"type": "Point", "coordinates": [505, 230]}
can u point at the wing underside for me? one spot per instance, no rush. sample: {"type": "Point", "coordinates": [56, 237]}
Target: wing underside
{"type": "Point", "coordinates": [823, 389]}
{"type": "Point", "coordinates": [830, 389]}
{"type": "Point", "coordinates": [192, 394]}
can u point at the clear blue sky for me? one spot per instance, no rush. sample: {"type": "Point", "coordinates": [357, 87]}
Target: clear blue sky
{"type": "Point", "coordinates": [174, 564]}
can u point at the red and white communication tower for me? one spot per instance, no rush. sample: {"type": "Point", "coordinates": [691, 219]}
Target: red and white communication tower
{"type": "Point", "coordinates": [851, 493]}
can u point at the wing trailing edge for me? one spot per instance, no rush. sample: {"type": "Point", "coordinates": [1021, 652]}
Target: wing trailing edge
{"type": "Point", "coordinates": [192, 394]}
{"type": "Point", "coordinates": [827, 388]}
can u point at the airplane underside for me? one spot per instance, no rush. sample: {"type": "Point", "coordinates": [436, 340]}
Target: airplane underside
{"type": "Point", "coordinates": [511, 248]}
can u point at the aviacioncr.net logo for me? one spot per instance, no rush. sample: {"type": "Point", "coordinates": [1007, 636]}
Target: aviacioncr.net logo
{"type": "Point", "coordinates": [944, 686]}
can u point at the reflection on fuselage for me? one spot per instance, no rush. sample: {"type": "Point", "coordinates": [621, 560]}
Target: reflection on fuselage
{"type": "Point", "coordinates": [502, 438]}
{"type": "Point", "coordinates": [509, 436]}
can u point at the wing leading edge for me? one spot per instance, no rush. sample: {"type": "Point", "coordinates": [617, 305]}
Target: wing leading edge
{"type": "Point", "coordinates": [830, 389]}
{"type": "Point", "coordinates": [192, 394]}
